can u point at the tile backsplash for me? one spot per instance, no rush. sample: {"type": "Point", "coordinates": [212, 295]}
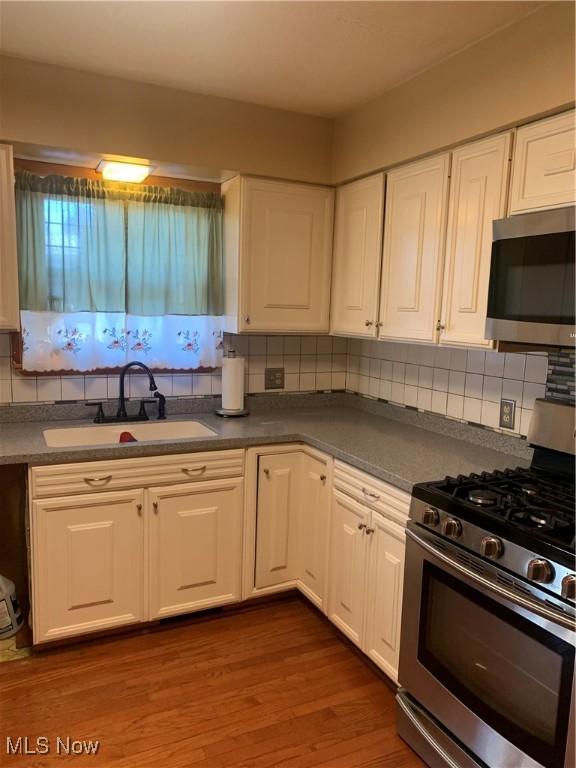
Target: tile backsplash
{"type": "Point", "coordinates": [461, 384]}
{"type": "Point", "coordinates": [465, 385]}
{"type": "Point", "coordinates": [311, 363]}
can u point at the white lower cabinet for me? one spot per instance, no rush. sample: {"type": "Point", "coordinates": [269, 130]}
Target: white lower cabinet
{"type": "Point", "coordinates": [103, 559]}
{"type": "Point", "coordinates": [292, 512]}
{"type": "Point", "coordinates": [367, 569]}
{"type": "Point", "coordinates": [195, 546]}
{"type": "Point", "coordinates": [348, 565]}
{"type": "Point", "coordinates": [88, 563]}
{"type": "Point", "coordinates": [384, 593]}
{"type": "Point", "coordinates": [277, 519]}
{"type": "Point", "coordinates": [313, 527]}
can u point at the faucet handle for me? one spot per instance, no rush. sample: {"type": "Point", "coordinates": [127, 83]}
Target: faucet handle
{"type": "Point", "coordinates": [142, 414]}
{"type": "Point", "coordinates": [161, 404]}
{"type": "Point", "coordinates": [99, 418]}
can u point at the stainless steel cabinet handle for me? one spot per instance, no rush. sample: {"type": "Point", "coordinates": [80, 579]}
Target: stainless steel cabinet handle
{"type": "Point", "coordinates": [155, 507]}
{"type": "Point", "coordinates": [247, 319]}
{"type": "Point", "coordinates": [524, 602]}
{"type": "Point", "coordinates": [370, 494]}
{"type": "Point", "coordinates": [95, 480]}
{"type": "Point", "coordinates": [361, 526]}
{"type": "Point", "coordinates": [194, 470]}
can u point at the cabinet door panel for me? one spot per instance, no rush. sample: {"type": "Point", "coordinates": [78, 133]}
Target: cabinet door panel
{"type": "Point", "coordinates": [357, 256]}
{"type": "Point", "coordinates": [477, 197]}
{"type": "Point", "coordinates": [195, 546]}
{"type": "Point", "coordinates": [286, 252]}
{"type": "Point", "coordinates": [384, 601]}
{"type": "Point", "coordinates": [544, 172]}
{"type": "Point", "coordinates": [88, 563]}
{"type": "Point", "coordinates": [277, 519]}
{"type": "Point", "coordinates": [416, 205]}
{"type": "Point", "coordinates": [347, 566]}
{"type": "Point", "coordinates": [9, 303]}
{"type": "Point", "coordinates": [313, 524]}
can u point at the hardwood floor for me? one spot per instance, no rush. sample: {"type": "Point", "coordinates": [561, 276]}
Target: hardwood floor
{"type": "Point", "coordinates": [269, 687]}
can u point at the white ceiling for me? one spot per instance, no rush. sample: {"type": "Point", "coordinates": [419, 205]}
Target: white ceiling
{"type": "Point", "coordinates": [321, 58]}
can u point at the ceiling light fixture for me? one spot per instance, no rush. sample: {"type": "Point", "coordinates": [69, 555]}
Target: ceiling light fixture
{"type": "Point", "coordinates": [113, 170]}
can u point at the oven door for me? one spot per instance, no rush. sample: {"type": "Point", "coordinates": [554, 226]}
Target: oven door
{"type": "Point", "coordinates": [531, 288]}
{"type": "Point", "coordinates": [493, 665]}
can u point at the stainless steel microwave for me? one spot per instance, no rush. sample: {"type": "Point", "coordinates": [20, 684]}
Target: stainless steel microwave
{"type": "Point", "coordinates": [531, 289]}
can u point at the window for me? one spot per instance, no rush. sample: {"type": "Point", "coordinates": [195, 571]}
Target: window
{"type": "Point", "coordinates": [111, 273]}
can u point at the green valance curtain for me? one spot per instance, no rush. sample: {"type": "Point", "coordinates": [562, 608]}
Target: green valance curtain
{"type": "Point", "coordinates": [94, 246]}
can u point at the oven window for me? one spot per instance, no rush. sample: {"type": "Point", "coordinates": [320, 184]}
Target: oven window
{"type": "Point", "coordinates": [514, 675]}
{"type": "Point", "coordinates": [532, 279]}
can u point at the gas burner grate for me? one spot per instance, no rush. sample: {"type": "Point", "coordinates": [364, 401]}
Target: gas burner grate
{"type": "Point", "coordinates": [526, 499]}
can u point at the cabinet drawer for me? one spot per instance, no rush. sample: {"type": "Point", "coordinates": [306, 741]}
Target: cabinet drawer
{"type": "Point", "coordinates": [384, 498]}
{"type": "Point", "coordinates": [66, 479]}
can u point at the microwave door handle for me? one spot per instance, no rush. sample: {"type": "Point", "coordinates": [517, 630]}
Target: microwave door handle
{"type": "Point", "coordinates": [536, 607]}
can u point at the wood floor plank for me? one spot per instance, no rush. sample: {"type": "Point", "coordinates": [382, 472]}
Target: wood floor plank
{"type": "Point", "coordinates": [270, 687]}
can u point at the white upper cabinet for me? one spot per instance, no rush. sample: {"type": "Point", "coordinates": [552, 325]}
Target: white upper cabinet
{"type": "Point", "coordinates": [544, 172]}
{"type": "Point", "coordinates": [357, 255]}
{"type": "Point", "coordinates": [278, 253]}
{"type": "Point", "coordinates": [9, 304]}
{"type": "Point", "coordinates": [416, 205]}
{"type": "Point", "coordinates": [477, 196]}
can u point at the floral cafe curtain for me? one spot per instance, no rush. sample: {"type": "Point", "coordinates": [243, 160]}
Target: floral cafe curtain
{"type": "Point", "coordinates": [111, 273]}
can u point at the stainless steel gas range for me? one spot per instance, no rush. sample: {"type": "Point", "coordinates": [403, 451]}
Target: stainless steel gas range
{"type": "Point", "coordinates": [487, 652]}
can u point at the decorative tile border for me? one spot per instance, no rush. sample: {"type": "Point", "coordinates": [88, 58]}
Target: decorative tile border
{"type": "Point", "coordinates": [561, 372]}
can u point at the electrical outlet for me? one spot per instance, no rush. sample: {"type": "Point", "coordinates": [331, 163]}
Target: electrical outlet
{"type": "Point", "coordinates": [274, 378]}
{"type": "Point", "coordinates": [507, 413]}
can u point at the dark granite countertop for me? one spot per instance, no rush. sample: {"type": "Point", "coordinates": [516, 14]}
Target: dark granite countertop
{"type": "Point", "coordinates": [389, 448]}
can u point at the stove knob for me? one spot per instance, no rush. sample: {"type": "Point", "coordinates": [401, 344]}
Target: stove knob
{"type": "Point", "coordinates": [540, 570]}
{"type": "Point", "coordinates": [491, 547]}
{"type": "Point", "coordinates": [430, 516]}
{"type": "Point", "coordinates": [569, 587]}
{"type": "Point", "coordinates": [452, 528]}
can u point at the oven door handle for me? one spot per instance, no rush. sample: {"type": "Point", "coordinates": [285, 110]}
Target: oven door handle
{"type": "Point", "coordinates": [524, 602]}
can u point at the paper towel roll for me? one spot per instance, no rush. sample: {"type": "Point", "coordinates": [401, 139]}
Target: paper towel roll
{"type": "Point", "coordinates": [233, 383]}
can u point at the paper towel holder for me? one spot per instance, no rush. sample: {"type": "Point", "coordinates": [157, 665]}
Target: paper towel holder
{"type": "Point", "coordinates": [229, 413]}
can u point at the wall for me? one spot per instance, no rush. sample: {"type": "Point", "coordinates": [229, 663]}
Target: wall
{"type": "Point", "coordinates": [311, 363]}
{"type": "Point", "coordinates": [461, 384]}
{"type": "Point", "coordinates": [60, 107]}
{"type": "Point", "coordinates": [525, 70]}
{"type": "Point", "coordinates": [465, 385]}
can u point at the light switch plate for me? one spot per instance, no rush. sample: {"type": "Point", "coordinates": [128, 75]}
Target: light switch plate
{"type": "Point", "coordinates": [274, 378]}
{"type": "Point", "coordinates": [507, 413]}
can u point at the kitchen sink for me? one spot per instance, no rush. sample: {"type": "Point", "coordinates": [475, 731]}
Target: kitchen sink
{"type": "Point", "coordinates": [68, 437]}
